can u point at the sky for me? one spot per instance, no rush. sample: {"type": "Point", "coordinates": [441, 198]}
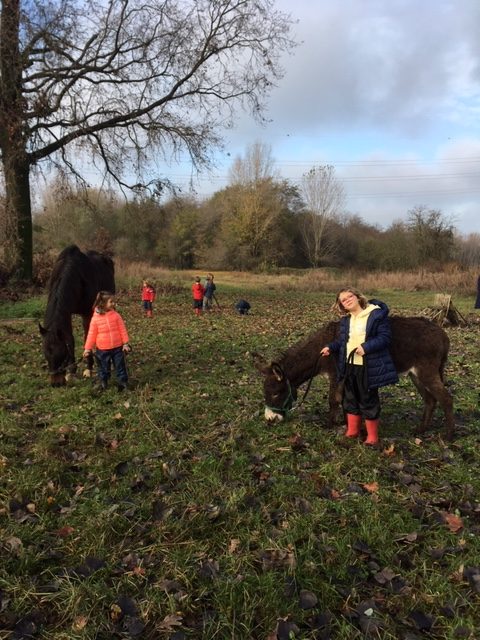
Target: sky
{"type": "Point", "coordinates": [386, 91]}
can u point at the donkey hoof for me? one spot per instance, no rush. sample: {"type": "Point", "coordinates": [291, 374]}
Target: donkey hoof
{"type": "Point", "coordinates": [87, 373]}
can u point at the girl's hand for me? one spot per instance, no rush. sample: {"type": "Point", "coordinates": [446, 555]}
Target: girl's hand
{"type": "Point", "coordinates": [359, 351]}
{"type": "Point", "coordinates": [86, 353]}
{"type": "Point", "coordinates": [325, 351]}
{"type": "Point", "coordinates": [127, 348]}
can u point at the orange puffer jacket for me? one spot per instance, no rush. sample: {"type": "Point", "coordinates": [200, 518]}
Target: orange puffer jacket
{"type": "Point", "coordinates": [107, 331]}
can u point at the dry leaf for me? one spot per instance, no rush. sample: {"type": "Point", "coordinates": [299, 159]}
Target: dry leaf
{"type": "Point", "coordinates": [234, 545]}
{"type": "Point", "coordinates": [454, 523]}
{"type": "Point", "coordinates": [371, 487]}
{"type": "Point", "coordinates": [79, 623]}
{"type": "Point", "coordinates": [170, 622]}
{"type": "Point", "coordinates": [389, 451]}
{"type": "Point", "coordinates": [64, 531]}
{"type": "Point", "coordinates": [115, 612]}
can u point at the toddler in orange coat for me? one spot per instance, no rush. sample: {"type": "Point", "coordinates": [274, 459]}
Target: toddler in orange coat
{"type": "Point", "coordinates": [107, 332]}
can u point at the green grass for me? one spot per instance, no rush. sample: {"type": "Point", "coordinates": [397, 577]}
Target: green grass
{"type": "Point", "coordinates": [174, 511]}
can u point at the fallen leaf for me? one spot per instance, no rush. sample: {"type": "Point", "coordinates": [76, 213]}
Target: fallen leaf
{"type": "Point", "coordinates": [454, 523]}
{"type": "Point", "coordinates": [79, 623]}
{"type": "Point", "coordinates": [389, 451]}
{"type": "Point", "coordinates": [170, 622]}
{"type": "Point", "coordinates": [65, 531]}
{"type": "Point", "coordinates": [234, 545]}
{"type": "Point", "coordinates": [371, 487]}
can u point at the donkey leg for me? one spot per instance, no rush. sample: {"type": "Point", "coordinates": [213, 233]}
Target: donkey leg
{"type": "Point", "coordinates": [434, 387]}
{"type": "Point", "coordinates": [444, 399]}
{"type": "Point", "coordinates": [429, 403]}
{"type": "Point", "coordinates": [334, 399]}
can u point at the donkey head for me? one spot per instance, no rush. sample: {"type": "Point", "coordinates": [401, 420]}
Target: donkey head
{"type": "Point", "coordinates": [278, 392]}
{"type": "Point", "coordinates": [58, 354]}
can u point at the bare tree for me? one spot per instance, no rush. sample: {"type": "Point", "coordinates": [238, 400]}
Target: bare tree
{"type": "Point", "coordinates": [433, 235]}
{"type": "Point", "coordinates": [256, 165]}
{"type": "Point", "coordinates": [323, 196]}
{"type": "Point", "coordinates": [108, 83]}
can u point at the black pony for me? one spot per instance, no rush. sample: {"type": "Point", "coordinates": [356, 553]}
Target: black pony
{"type": "Point", "coordinates": [74, 283]}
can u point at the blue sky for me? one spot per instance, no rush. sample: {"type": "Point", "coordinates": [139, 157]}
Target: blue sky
{"type": "Point", "coordinates": [387, 91]}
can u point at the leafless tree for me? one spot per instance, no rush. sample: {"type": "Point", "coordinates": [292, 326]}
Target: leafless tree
{"type": "Point", "coordinates": [109, 83]}
{"type": "Point", "coordinates": [324, 196]}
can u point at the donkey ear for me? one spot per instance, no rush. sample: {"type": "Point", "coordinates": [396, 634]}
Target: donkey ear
{"type": "Point", "coordinates": [277, 371]}
{"type": "Point", "coordinates": [260, 363]}
{"type": "Point", "coordinates": [42, 330]}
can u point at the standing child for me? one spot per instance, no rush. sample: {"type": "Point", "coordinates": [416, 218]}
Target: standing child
{"type": "Point", "coordinates": [109, 335]}
{"type": "Point", "coordinates": [364, 360]}
{"type": "Point", "coordinates": [209, 292]}
{"type": "Point", "coordinates": [198, 291]}
{"type": "Point", "coordinates": [148, 298]}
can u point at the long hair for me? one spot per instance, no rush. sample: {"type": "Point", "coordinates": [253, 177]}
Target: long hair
{"type": "Point", "coordinates": [101, 300]}
{"type": "Point", "coordinates": [338, 306]}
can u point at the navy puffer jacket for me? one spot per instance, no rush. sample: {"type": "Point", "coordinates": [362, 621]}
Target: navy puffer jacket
{"type": "Point", "coordinates": [380, 368]}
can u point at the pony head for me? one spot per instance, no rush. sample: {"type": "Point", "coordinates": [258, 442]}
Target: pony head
{"type": "Point", "coordinates": [58, 355]}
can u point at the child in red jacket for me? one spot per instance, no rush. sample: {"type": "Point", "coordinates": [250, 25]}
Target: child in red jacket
{"type": "Point", "coordinates": [198, 291]}
{"type": "Point", "coordinates": [148, 297]}
{"type": "Point", "coordinates": [107, 332]}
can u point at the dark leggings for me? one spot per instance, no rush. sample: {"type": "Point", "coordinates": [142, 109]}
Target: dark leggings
{"type": "Point", "coordinates": [357, 397]}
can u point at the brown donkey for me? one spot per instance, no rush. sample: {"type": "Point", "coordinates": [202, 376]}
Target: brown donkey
{"type": "Point", "coordinates": [419, 349]}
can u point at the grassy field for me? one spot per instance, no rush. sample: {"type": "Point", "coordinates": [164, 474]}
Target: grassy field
{"type": "Point", "coordinates": [173, 511]}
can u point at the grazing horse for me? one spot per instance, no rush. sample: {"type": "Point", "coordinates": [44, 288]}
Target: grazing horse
{"type": "Point", "coordinates": [419, 348]}
{"type": "Point", "coordinates": [74, 283]}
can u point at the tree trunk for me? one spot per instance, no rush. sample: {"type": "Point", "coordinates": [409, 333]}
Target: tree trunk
{"type": "Point", "coordinates": [13, 137]}
{"type": "Point", "coordinates": [19, 216]}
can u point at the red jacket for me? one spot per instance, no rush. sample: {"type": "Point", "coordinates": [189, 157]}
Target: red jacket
{"type": "Point", "coordinates": [107, 331]}
{"type": "Point", "coordinates": [148, 294]}
{"type": "Point", "coordinates": [198, 290]}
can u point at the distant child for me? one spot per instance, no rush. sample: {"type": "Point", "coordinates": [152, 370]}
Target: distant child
{"type": "Point", "coordinates": [242, 307]}
{"type": "Point", "coordinates": [148, 297]}
{"type": "Point", "coordinates": [198, 291]}
{"type": "Point", "coordinates": [109, 335]}
{"type": "Point", "coordinates": [209, 292]}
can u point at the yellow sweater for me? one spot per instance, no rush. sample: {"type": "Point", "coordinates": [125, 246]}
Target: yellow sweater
{"type": "Point", "coordinates": [357, 331]}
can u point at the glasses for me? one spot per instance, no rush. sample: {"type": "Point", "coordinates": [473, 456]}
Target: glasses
{"type": "Point", "coordinates": [347, 298]}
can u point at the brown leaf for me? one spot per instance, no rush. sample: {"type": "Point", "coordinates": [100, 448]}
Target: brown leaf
{"type": "Point", "coordinates": [454, 523]}
{"type": "Point", "coordinates": [170, 622]}
{"type": "Point", "coordinates": [234, 545]}
{"type": "Point", "coordinates": [389, 451]}
{"type": "Point", "coordinates": [65, 531]}
{"type": "Point", "coordinates": [371, 487]}
{"type": "Point", "coordinates": [79, 623]}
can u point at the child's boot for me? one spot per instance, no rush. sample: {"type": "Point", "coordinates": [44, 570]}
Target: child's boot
{"type": "Point", "coordinates": [372, 431]}
{"type": "Point", "coordinates": [149, 313]}
{"type": "Point", "coordinates": [354, 423]}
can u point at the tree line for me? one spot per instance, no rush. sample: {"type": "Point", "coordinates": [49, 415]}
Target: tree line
{"type": "Point", "coordinates": [259, 221]}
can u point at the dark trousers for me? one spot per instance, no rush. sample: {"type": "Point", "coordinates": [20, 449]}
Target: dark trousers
{"type": "Point", "coordinates": [105, 358]}
{"type": "Point", "coordinates": [357, 397]}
